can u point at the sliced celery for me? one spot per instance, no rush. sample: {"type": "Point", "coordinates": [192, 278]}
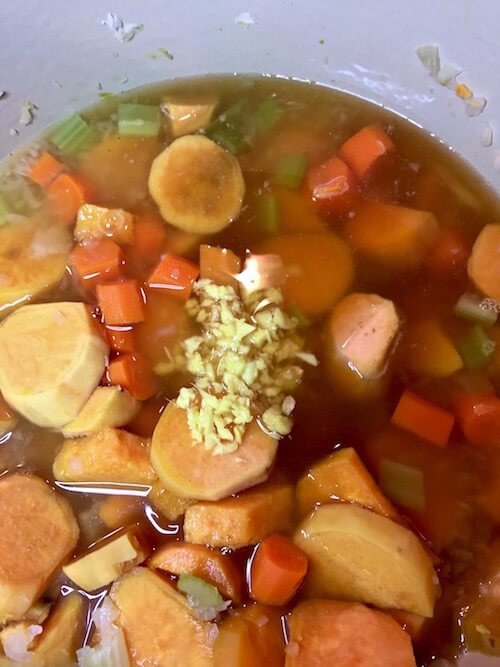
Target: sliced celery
{"type": "Point", "coordinates": [267, 213]}
{"type": "Point", "coordinates": [74, 135]}
{"type": "Point", "coordinates": [200, 593]}
{"type": "Point", "coordinates": [474, 308]}
{"type": "Point", "coordinates": [139, 120]}
{"type": "Point", "coordinates": [227, 136]}
{"type": "Point", "coordinates": [476, 348]}
{"type": "Point", "coordinates": [267, 115]}
{"type": "Point", "coordinates": [403, 484]}
{"type": "Point", "coordinates": [289, 170]}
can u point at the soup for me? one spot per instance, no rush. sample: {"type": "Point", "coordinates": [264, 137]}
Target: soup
{"type": "Point", "coordinates": [249, 375]}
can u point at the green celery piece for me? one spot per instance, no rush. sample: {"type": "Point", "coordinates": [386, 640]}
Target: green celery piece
{"type": "Point", "coordinates": [139, 120]}
{"type": "Point", "coordinates": [267, 213]}
{"type": "Point", "coordinates": [201, 593]}
{"type": "Point", "coordinates": [74, 135]}
{"type": "Point", "coordinates": [267, 115]}
{"type": "Point", "coordinates": [476, 348]}
{"type": "Point", "coordinates": [403, 484]}
{"type": "Point", "coordinates": [289, 170]}
{"type": "Point", "coordinates": [227, 136]}
{"type": "Point", "coordinates": [472, 307]}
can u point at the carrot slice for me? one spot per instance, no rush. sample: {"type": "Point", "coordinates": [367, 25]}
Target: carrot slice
{"type": "Point", "coordinates": [132, 372]}
{"type": "Point", "coordinates": [66, 194]}
{"type": "Point", "coordinates": [175, 274]}
{"type": "Point", "coordinates": [483, 266]}
{"type": "Point", "coordinates": [479, 418]}
{"type": "Point", "coordinates": [96, 261]}
{"type": "Point", "coordinates": [121, 303]}
{"type": "Point", "coordinates": [150, 236]}
{"type": "Point", "coordinates": [426, 420]}
{"type": "Point", "coordinates": [276, 571]}
{"type": "Point", "coordinates": [332, 185]}
{"type": "Point", "coordinates": [219, 265]}
{"type": "Point", "coordinates": [121, 339]}
{"type": "Point", "coordinates": [364, 148]}
{"type": "Point", "coordinates": [45, 170]}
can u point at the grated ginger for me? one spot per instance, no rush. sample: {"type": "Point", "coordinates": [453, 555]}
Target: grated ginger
{"type": "Point", "coordinates": [244, 362]}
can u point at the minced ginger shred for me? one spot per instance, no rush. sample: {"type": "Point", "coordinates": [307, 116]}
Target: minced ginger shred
{"type": "Point", "coordinates": [244, 362]}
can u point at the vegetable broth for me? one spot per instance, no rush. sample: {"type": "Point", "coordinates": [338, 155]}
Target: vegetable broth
{"type": "Point", "coordinates": [457, 517]}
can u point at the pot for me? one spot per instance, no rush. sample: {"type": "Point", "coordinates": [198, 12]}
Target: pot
{"type": "Point", "coordinates": [60, 56]}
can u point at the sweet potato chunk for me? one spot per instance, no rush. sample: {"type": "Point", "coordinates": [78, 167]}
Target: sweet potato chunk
{"type": "Point", "coordinates": [118, 511]}
{"type": "Point", "coordinates": [484, 262]}
{"type": "Point", "coordinates": [341, 475]}
{"type": "Point", "coordinates": [62, 632]}
{"type": "Point", "coordinates": [355, 554]}
{"type": "Point", "coordinates": [188, 470]}
{"type": "Point", "coordinates": [200, 561]}
{"type": "Point", "coordinates": [110, 455]}
{"type": "Point", "coordinates": [326, 632]}
{"type": "Point", "coordinates": [37, 533]}
{"type": "Point", "coordinates": [158, 624]}
{"type": "Point", "coordinates": [241, 521]}
{"type": "Point", "coordinates": [107, 407]}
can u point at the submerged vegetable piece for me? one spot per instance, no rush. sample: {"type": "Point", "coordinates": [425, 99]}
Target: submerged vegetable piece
{"type": "Point", "coordinates": [296, 212]}
{"type": "Point", "coordinates": [474, 308]}
{"type": "Point", "coordinates": [324, 632]}
{"type": "Point", "coordinates": [393, 236]}
{"type": "Point", "coordinates": [66, 195]}
{"type": "Point", "coordinates": [424, 419]}
{"type": "Point", "coordinates": [276, 570]}
{"type": "Point", "coordinates": [95, 222]}
{"type": "Point", "coordinates": [34, 521]}
{"type": "Point", "coordinates": [403, 484]}
{"type": "Point", "coordinates": [267, 213]}
{"type": "Point", "coordinates": [120, 511]}
{"type": "Point", "coordinates": [428, 350]}
{"type": "Point", "coordinates": [220, 265]}
{"type": "Point", "coordinates": [289, 170]}
{"type": "Point", "coordinates": [479, 418]}
{"type": "Point", "coordinates": [332, 185]}
{"type": "Point", "coordinates": [318, 267]}
{"type": "Point", "coordinates": [170, 506]}
{"type": "Point", "coordinates": [476, 348]}
{"type": "Point", "coordinates": [363, 329]}
{"type": "Point", "coordinates": [158, 623]}
{"type": "Point", "coordinates": [150, 236]}
{"type": "Point", "coordinates": [8, 418]}
{"type": "Point", "coordinates": [45, 169]}
{"type": "Point", "coordinates": [138, 120]}
{"type": "Point", "coordinates": [106, 407]}
{"type": "Point", "coordinates": [200, 561]}
{"type": "Point", "coordinates": [121, 302]}
{"type": "Point", "coordinates": [40, 253]}
{"type": "Point", "coordinates": [197, 185]}
{"type": "Point", "coordinates": [341, 475]}
{"type": "Point", "coordinates": [73, 136]}
{"type": "Point", "coordinates": [484, 262]}
{"type": "Point", "coordinates": [109, 559]}
{"type": "Point", "coordinates": [448, 256]}
{"type": "Point", "coordinates": [96, 262]}
{"type": "Point", "coordinates": [109, 647]}
{"type": "Point", "coordinates": [51, 360]}
{"type": "Point", "coordinates": [188, 118]}
{"type": "Point", "coordinates": [364, 148]}
{"type": "Point", "coordinates": [242, 520]}
{"type": "Point", "coordinates": [175, 274]}
{"type": "Point", "coordinates": [189, 470]}
{"type": "Point", "coordinates": [132, 372]}
{"type": "Point", "coordinates": [118, 168]}
{"type": "Point", "coordinates": [355, 554]}
{"type": "Point", "coordinates": [62, 632]}
{"type": "Point", "coordinates": [111, 455]}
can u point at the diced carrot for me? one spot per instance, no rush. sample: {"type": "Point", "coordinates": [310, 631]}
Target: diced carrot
{"type": "Point", "coordinates": [175, 274]}
{"type": "Point", "coordinates": [144, 423]}
{"type": "Point", "coordinates": [483, 266]}
{"type": "Point", "coordinates": [277, 568]}
{"type": "Point", "coordinates": [364, 148]}
{"type": "Point", "coordinates": [344, 634]}
{"type": "Point", "coordinates": [200, 561]}
{"type": "Point", "coordinates": [332, 185]}
{"type": "Point", "coordinates": [219, 265]}
{"type": "Point", "coordinates": [318, 267]}
{"type": "Point", "coordinates": [66, 194]}
{"type": "Point", "coordinates": [149, 237]}
{"type": "Point", "coordinates": [121, 302]}
{"type": "Point", "coordinates": [449, 254]}
{"type": "Point", "coordinates": [479, 418]}
{"type": "Point", "coordinates": [45, 170]}
{"type": "Point", "coordinates": [97, 261]}
{"type": "Point", "coordinates": [297, 212]}
{"type": "Point", "coordinates": [121, 339]}
{"type": "Point", "coordinates": [424, 419]}
{"type": "Point", "coordinates": [132, 372]}
{"type": "Point", "coordinates": [394, 236]}
{"type": "Point", "coordinates": [118, 511]}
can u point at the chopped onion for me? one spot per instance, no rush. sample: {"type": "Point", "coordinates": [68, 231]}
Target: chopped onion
{"type": "Point", "coordinates": [112, 649]}
{"type": "Point", "coordinates": [16, 640]}
{"type": "Point", "coordinates": [429, 57]}
{"type": "Point", "coordinates": [447, 75]}
{"type": "Point", "coordinates": [48, 241]}
{"type": "Point", "coordinates": [487, 136]}
{"type": "Point", "coordinates": [475, 106]}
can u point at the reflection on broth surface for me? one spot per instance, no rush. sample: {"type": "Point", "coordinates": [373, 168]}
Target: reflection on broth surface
{"type": "Point", "coordinates": [249, 369]}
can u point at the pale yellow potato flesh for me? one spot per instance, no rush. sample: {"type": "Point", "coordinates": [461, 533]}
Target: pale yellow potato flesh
{"type": "Point", "coordinates": [97, 222]}
{"type": "Point", "coordinates": [62, 632]}
{"type": "Point", "coordinates": [187, 117]}
{"type": "Point", "coordinates": [107, 407]}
